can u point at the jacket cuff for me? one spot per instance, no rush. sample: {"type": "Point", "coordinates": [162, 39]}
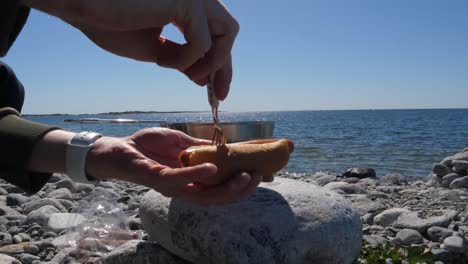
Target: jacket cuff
{"type": "Point", "coordinates": [17, 138]}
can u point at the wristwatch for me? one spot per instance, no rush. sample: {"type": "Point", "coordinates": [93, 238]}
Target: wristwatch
{"type": "Point", "coordinates": [75, 158]}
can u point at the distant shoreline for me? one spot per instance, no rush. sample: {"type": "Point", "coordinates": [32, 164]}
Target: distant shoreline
{"type": "Point", "coordinates": [181, 112]}
{"type": "Point", "coordinates": [119, 113]}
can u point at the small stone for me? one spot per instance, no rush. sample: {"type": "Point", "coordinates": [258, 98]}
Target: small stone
{"type": "Point", "coordinates": [24, 236]}
{"type": "Point", "coordinates": [411, 220]}
{"type": "Point", "coordinates": [7, 211]}
{"type": "Point", "coordinates": [123, 199]}
{"type": "Point", "coordinates": [60, 221]}
{"type": "Point", "coordinates": [13, 189]}
{"type": "Point", "coordinates": [106, 184]}
{"type": "Point", "coordinates": [133, 203]}
{"type": "Point", "coordinates": [389, 189]}
{"type": "Point", "coordinates": [134, 222]}
{"type": "Point", "coordinates": [455, 244]}
{"type": "Point", "coordinates": [448, 179]}
{"type": "Point", "coordinates": [13, 248]}
{"type": "Point", "coordinates": [66, 183]}
{"type": "Point", "coordinates": [459, 156]}
{"type": "Point", "coordinates": [17, 239]}
{"type": "Point", "coordinates": [459, 183]}
{"type": "Point", "coordinates": [28, 258]}
{"type": "Point", "coordinates": [364, 205]}
{"type": "Point", "coordinates": [394, 179]}
{"type": "Point", "coordinates": [43, 244]}
{"type": "Point", "coordinates": [368, 219]}
{"type": "Point", "coordinates": [32, 249]}
{"type": "Point", "coordinates": [408, 237]}
{"type": "Point", "coordinates": [69, 205]}
{"type": "Point", "coordinates": [460, 166]}
{"type": "Point", "coordinates": [14, 230]}
{"type": "Point", "coordinates": [5, 259]}
{"type": "Point", "coordinates": [440, 169]}
{"type": "Point", "coordinates": [49, 234]}
{"type": "Point", "coordinates": [443, 255]}
{"type": "Point", "coordinates": [36, 204]}
{"type": "Point", "coordinates": [438, 234]}
{"type": "Point", "coordinates": [5, 239]}
{"type": "Point", "coordinates": [351, 180]}
{"type": "Point", "coordinates": [387, 217]}
{"type": "Point", "coordinates": [16, 199]}
{"type": "Point", "coordinates": [62, 255]}
{"type": "Point", "coordinates": [346, 187]}
{"type": "Point", "coordinates": [41, 215]}
{"type": "Point", "coordinates": [324, 179]}
{"type": "Point", "coordinates": [377, 194]}
{"type": "Point", "coordinates": [62, 193]}
{"type": "Point", "coordinates": [360, 173]}
{"type": "Point", "coordinates": [84, 187]}
{"type": "Point", "coordinates": [374, 240]}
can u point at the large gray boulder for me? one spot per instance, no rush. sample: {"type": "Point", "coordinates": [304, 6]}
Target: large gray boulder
{"type": "Point", "coordinates": [286, 221]}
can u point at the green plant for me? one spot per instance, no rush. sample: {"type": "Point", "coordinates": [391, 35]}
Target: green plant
{"type": "Point", "coordinates": [382, 252]}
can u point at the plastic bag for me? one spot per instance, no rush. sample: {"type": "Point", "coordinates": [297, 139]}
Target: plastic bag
{"type": "Point", "coordinates": [105, 227]}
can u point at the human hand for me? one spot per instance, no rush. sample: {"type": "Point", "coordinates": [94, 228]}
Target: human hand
{"type": "Point", "coordinates": [132, 28]}
{"type": "Point", "coordinates": [150, 157]}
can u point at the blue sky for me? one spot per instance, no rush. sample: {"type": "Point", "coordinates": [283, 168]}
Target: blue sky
{"type": "Point", "coordinates": [289, 55]}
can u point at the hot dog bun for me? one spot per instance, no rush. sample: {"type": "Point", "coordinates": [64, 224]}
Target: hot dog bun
{"type": "Point", "coordinates": [257, 156]}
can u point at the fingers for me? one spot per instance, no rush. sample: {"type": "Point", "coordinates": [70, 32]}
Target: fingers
{"type": "Point", "coordinates": [223, 79]}
{"type": "Point", "coordinates": [218, 60]}
{"type": "Point", "coordinates": [186, 175]}
{"type": "Point", "coordinates": [193, 23]}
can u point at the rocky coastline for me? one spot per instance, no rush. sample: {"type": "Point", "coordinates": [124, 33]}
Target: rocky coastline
{"type": "Point", "coordinates": [402, 221]}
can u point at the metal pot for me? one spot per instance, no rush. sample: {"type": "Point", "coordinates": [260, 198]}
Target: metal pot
{"type": "Point", "coordinates": [234, 131]}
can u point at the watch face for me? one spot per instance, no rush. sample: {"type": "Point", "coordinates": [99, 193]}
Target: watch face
{"type": "Point", "coordinates": [85, 138]}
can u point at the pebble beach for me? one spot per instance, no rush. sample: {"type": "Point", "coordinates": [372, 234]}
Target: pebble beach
{"type": "Point", "coordinates": [426, 217]}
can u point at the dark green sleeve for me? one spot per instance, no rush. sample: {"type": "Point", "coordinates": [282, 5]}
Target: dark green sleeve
{"type": "Point", "coordinates": [17, 139]}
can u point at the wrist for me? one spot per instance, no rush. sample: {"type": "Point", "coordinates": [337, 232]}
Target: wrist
{"type": "Point", "coordinates": [97, 158]}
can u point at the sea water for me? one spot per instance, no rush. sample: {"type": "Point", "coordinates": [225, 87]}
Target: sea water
{"type": "Point", "coordinates": [406, 142]}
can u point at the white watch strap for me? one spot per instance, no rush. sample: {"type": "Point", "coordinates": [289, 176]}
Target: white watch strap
{"type": "Point", "coordinates": [77, 150]}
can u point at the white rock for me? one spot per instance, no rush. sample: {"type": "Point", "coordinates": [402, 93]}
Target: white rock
{"type": "Point", "coordinates": [60, 221]}
{"type": "Point", "coordinates": [41, 215]}
{"type": "Point", "coordinates": [286, 221]}
{"type": "Point", "coordinates": [387, 217]}
{"type": "Point", "coordinates": [408, 237]}
{"type": "Point", "coordinates": [36, 204]}
{"type": "Point", "coordinates": [5, 259]}
{"type": "Point", "coordinates": [346, 187]}
{"type": "Point", "coordinates": [455, 244]}
{"type": "Point", "coordinates": [62, 193]}
{"type": "Point", "coordinates": [411, 220]}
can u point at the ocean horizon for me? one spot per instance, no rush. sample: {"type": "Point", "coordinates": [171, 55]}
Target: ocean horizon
{"type": "Point", "coordinates": [391, 141]}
